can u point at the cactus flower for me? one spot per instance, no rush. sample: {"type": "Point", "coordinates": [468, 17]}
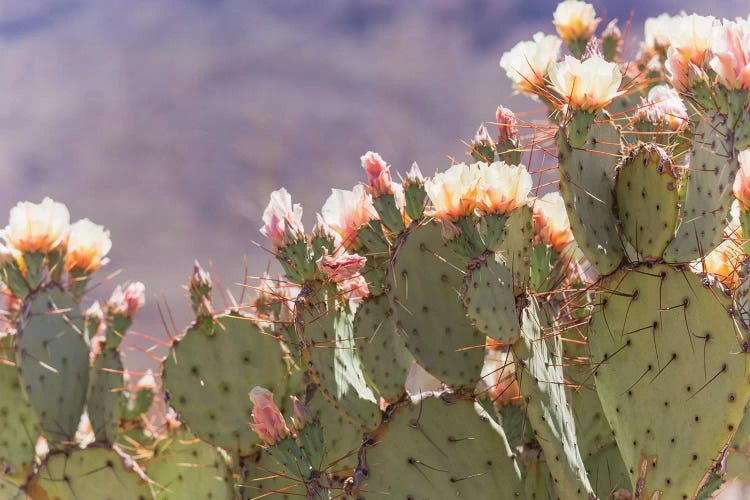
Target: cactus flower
{"type": "Point", "coordinates": [742, 182]}
{"type": "Point", "coordinates": [88, 245]}
{"type": "Point", "coordinates": [453, 193]}
{"type": "Point", "coordinates": [691, 36]}
{"type": "Point", "coordinates": [378, 175]}
{"type": "Point", "coordinates": [341, 265]}
{"type": "Point", "coordinates": [506, 124]}
{"type": "Point", "coordinates": [586, 86]}
{"type": "Point", "coordinates": [268, 421]}
{"type": "Point", "coordinates": [282, 221]}
{"type": "Point", "coordinates": [527, 62]}
{"type": "Point", "coordinates": [724, 262]}
{"type": "Point", "coordinates": [551, 224]}
{"type": "Point", "coordinates": [346, 211]}
{"type": "Point", "coordinates": [575, 20]}
{"type": "Point", "coordinates": [127, 302]}
{"type": "Point", "coordinates": [731, 60]}
{"type": "Point", "coordinates": [37, 227]}
{"type": "Point", "coordinates": [663, 106]}
{"type": "Point", "coordinates": [657, 30]}
{"type": "Point", "coordinates": [501, 187]}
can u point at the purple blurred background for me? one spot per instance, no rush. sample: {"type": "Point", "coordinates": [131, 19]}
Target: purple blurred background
{"type": "Point", "coordinates": [171, 121]}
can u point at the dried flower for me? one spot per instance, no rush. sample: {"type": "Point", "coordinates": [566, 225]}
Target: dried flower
{"type": "Point", "coordinates": [268, 421]}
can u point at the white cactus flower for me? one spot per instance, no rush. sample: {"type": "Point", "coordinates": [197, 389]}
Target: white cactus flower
{"type": "Point", "coordinates": [88, 245]}
{"type": "Point", "coordinates": [527, 62]}
{"type": "Point", "coordinates": [575, 20]}
{"type": "Point", "coordinates": [587, 86]}
{"type": "Point", "coordinates": [37, 227]}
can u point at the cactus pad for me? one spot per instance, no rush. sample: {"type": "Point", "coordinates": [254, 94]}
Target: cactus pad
{"type": "Point", "coordinates": [586, 180]}
{"type": "Point", "coordinates": [210, 372]}
{"type": "Point", "coordinates": [385, 358]}
{"type": "Point", "coordinates": [106, 402]}
{"type": "Point", "coordinates": [673, 383]}
{"type": "Point", "coordinates": [332, 357]}
{"type": "Point", "coordinates": [487, 295]}
{"type": "Point", "coordinates": [424, 282]}
{"type": "Point", "coordinates": [19, 425]}
{"type": "Point", "coordinates": [439, 450]}
{"type": "Point", "coordinates": [540, 377]}
{"type": "Point", "coordinates": [186, 467]}
{"type": "Point", "coordinates": [53, 362]}
{"type": "Point", "coordinates": [517, 247]}
{"type": "Point", "coordinates": [648, 200]}
{"type": "Point", "coordinates": [94, 472]}
{"type": "Point", "coordinates": [713, 165]}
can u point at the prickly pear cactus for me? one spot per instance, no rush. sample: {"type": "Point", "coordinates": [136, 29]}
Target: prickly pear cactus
{"type": "Point", "coordinates": [423, 284]}
{"type": "Point", "coordinates": [412, 455]}
{"type": "Point", "coordinates": [106, 404]}
{"type": "Point", "coordinates": [212, 397]}
{"type": "Point", "coordinates": [53, 362]}
{"type": "Point", "coordinates": [651, 347]}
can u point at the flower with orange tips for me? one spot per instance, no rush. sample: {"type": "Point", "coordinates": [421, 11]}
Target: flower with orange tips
{"type": "Point", "coordinates": [88, 245]}
{"type": "Point", "coordinates": [551, 224]}
{"type": "Point", "coordinates": [268, 422]}
{"type": "Point", "coordinates": [453, 193]}
{"type": "Point", "coordinates": [527, 62]}
{"type": "Point", "coordinates": [586, 85]}
{"type": "Point", "coordinates": [575, 20]}
{"type": "Point", "coordinates": [501, 187]}
{"type": "Point", "coordinates": [37, 227]}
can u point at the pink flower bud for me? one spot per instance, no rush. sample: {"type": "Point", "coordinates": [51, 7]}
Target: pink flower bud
{"type": "Point", "coordinates": [127, 302]}
{"type": "Point", "coordinates": [268, 421]}
{"type": "Point", "coordinates": [378, 174]}
{"type": "Point", "coordinates": [282, 220]}
{"type": "Point", "coordinates": [302, 415]}
{"type": "Point", "coordinates": [506, 124]}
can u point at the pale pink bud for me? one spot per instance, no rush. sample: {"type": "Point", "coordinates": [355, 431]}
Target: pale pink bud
{"type": "Point", "coordinates": [302, 415]}
{"type": "Point", "coordinates": [94, 312]}
{"type": "Point", "coordinates": [414, 176]}
{"type": "Point", "coordinates": [282, 221]}
{"type": "Point", "coordinates": [378, 174]}
{"type": "Point", "coordinates": [341, 265]}
{"type": "Point", "coordinates": [37, 227]}
{"type": "Point", "coordinates": [127, 302]}
{"type": "Point", "coordinates": [88, 245]}
{"type": "Point", "coordinates": [268, 421]}
{"type": "Point", "coordinates": [742, 182]}
{"type": "Point", "coordinates": [506, 125]}
{"type": "Point", "coordinates": [347, 211]}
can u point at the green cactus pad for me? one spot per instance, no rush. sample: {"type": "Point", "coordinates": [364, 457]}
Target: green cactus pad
{"type": "Point", "coordinates": [326, 328]}
{"type": "Point", "coordinates": [19, 425]}
{"type": "Point", "coordinates": [9, 490]}
{"type": "Point", "coordinates": [93, 472]}
{"type": "Point", "coordinates": [540, 377]}
{"type": "Point", "coordinates": [385, 358]}
{"type": "Point", "coordinates": [342, 439]}
{"type": "Point", "coordinates": [438, 450]}
{"type": "Point", "coordinates": [487, 295]}
{"type": "Point", "coordinates": [210, 371]}
{"type": "Point", "coordinates": [53, 362]}
{"type": "Point", "coordinates": [538, 482]}
{"type": "Point", "coordinates": [423, 282]}
{"type": "Point", "coordinates": [703, 214]}
{"type": "Point", "coordinates": [517, 246]}
{"type": "Point", "coordinates": [586, 184]}
{"type": "Point", "coordinates": [648, 200]}
{"type": "Point", "coordinates": [582, 397]}
{"type": "Point", "coordinates": [263, 478]}
{"type": "Point", "coordinates": [186, 467]}
{"type": "Point", "coordinates": [106, 402]}
{"type": "Point", "coordinates": [607, 472]}
{"type": "Point", "coordinates": [670, 371]}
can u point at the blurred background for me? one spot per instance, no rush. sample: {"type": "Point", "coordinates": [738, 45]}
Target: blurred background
{"type": "Point", "coordinates": [171, 121]}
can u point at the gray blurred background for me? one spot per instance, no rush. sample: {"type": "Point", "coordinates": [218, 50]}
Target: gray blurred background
{"type": "Point", "coordinates": [170, 121]}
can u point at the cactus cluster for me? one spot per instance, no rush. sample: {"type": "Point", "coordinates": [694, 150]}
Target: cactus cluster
{"type": "Point", "coordinates": [465, 335]}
